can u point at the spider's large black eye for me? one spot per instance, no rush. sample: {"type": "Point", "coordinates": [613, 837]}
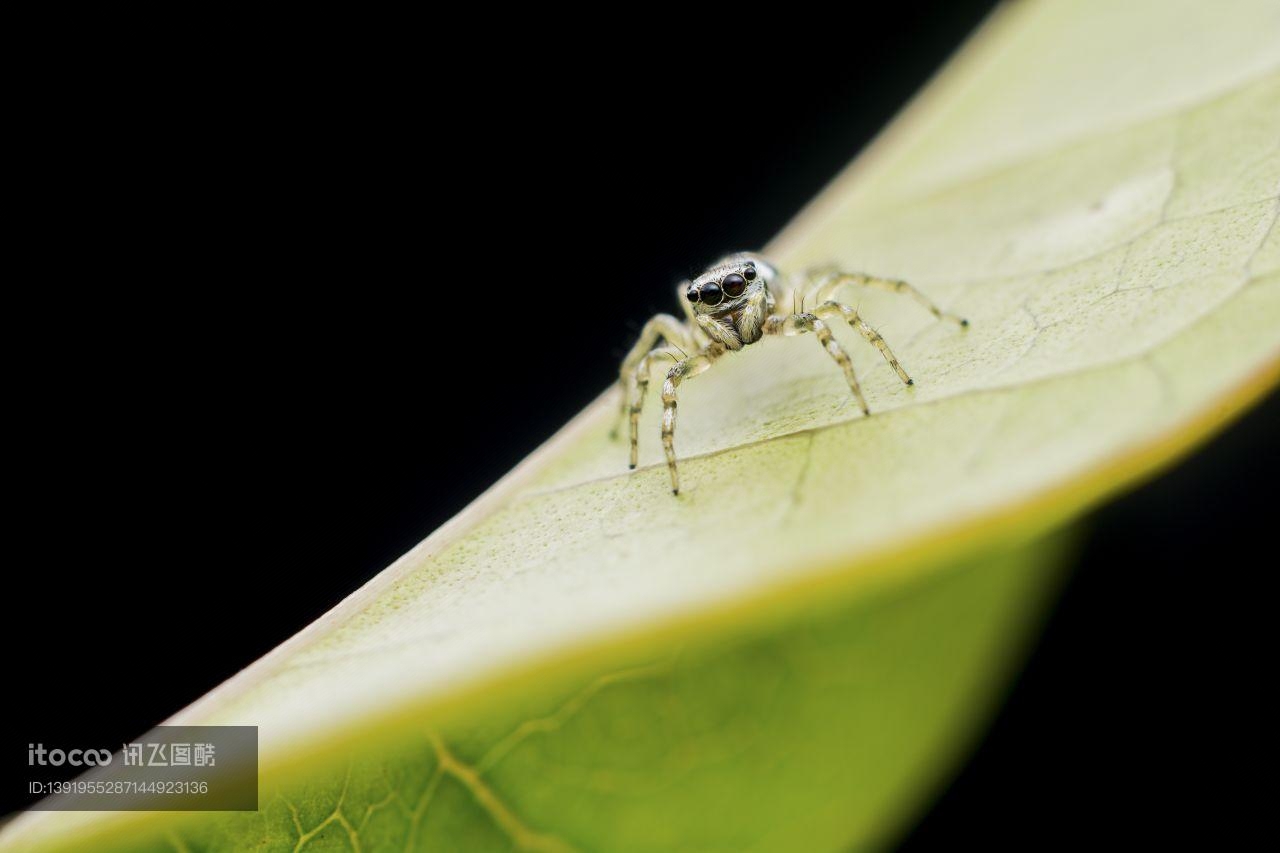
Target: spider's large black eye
{"type": "Point", "coordinates": [750, 272]}
{"type": "Point", "coordinates": [734, 284]}
{"type": "Point", "coordinates": [691, 294]}
{"type": "Point", "coordinates": [712, 294]}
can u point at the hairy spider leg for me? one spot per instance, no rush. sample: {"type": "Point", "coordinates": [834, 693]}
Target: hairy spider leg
{"type": "Point", "coordinates": [641, 389]}
{"type": "Point", "coordinates": [686, 369]}
{"type": "Point", "coordinates": [659, 326]}
{"type": "Point", "coordinates": [831, 308]}
{"type": "Point", "coordinates": [825, 284]}
{"type": "Point", "coordinates": [690, 316]}
{"type": "Point", "coordinates": [799, 324]}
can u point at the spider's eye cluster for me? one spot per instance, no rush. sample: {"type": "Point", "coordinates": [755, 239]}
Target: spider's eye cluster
{"type": "Point", "coordinates": [714, 292]}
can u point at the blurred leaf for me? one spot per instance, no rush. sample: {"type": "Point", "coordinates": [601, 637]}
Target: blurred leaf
{"type": "Point", "coordinates": [791, 654]}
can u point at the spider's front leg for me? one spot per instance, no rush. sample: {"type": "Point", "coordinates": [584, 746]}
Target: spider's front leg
{"type": "Point", "coordinates": [825, 284]}
{"type": "Point", "coordinates": [659, 326]}
{"type": "Point", "coordinates": [642, 388]}
{"type": "Point", "coordinates": [686, 369]}
{"type": "Point", "coordinates": [830, 309]}
{"type": "Point", "coordinates": [799, 324]}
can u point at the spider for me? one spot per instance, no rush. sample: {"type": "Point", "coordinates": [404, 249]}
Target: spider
{"type": "Point", "coordinates": [731, 306]}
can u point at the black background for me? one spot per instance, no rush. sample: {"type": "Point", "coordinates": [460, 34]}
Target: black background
{"type": "Point", "coordinates": [265, 304]}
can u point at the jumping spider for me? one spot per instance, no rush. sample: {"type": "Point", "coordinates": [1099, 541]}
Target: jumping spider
{"type": "Point", "coordinates": [732, 305]}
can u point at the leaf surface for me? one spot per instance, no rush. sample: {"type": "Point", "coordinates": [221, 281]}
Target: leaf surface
{"type": "Point", "coordinates": [788, 655]}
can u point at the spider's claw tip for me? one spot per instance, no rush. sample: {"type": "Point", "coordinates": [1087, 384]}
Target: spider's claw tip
{"type": "Point", "coordinates": [911, 382]}
{"type": "Point", "coordinates": [866, 412]}
{"type": "Point", "coordinates": [631, 465]}
{"type": "Point", "coordinates": [964, 323]}
{"type": "Point", "coordinates": [675, 492]}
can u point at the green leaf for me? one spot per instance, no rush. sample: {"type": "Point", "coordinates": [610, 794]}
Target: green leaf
{"type": "Point", "coordinates": [792, 653]}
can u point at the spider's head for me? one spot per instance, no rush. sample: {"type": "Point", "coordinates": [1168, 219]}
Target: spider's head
{"type": "Point", "coordinates": [731, 300]}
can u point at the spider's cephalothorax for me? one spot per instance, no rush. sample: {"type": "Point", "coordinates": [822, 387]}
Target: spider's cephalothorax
{"type": "Point", "coordinates": [732, 300]}
{"type": "Point", "coordinates": [732, 305]}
